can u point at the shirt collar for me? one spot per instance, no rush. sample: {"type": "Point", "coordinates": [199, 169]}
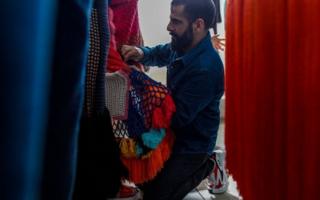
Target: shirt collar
{"type": "Point", "coordinates": [194, 52]}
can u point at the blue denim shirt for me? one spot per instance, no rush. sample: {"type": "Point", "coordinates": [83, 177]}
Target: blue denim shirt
{"type": "Point", "coordinates": [196, 80]}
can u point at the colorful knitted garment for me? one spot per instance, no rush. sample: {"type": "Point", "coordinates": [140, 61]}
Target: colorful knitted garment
{"type": "Point", "coordinates": [144, 136]}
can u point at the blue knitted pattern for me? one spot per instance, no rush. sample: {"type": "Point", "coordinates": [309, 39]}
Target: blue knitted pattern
{"type": "Point", "coordinates": [135, 120]}
{"type": "Point", "coordinates": [146, 96]}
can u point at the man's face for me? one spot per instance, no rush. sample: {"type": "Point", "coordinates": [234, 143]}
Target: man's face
{"type": "Point", "coordinates": [180, 29]}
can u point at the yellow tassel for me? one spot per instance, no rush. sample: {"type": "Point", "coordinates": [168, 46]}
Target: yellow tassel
{"type": "Point", "coordinates": [148, 155]}
{"type": "Point", "coordinates": [127, 147]}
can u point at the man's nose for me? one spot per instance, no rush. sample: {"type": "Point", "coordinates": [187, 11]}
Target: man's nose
{"type": "Point", "coordinates": [169, 27]}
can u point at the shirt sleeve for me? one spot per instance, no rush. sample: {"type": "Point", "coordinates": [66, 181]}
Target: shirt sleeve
{"type": "Point", "coordinates": [160, 55]}
{"type": "Point", "coordinates": [192, 98]}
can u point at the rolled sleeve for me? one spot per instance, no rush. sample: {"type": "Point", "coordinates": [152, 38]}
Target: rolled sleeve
{"type": "Point", "coordinates": [160, 55]}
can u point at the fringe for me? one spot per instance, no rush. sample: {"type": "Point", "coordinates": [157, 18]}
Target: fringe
{"type": "Point", "coordinates": [143, 170]}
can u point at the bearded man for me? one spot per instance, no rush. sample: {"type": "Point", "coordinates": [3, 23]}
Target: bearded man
{"type": "Point", "coordinates": [195, 77]}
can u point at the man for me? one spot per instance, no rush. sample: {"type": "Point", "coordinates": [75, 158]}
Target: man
{"type": "Point", "coordinates": [196, 79]}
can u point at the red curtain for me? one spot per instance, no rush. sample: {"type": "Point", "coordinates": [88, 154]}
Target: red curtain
{"type": "Point", "coordinates": [273, 98]}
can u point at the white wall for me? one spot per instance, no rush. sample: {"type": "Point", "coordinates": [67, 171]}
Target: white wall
{"type": "Point", "coordinates": [154, 17]}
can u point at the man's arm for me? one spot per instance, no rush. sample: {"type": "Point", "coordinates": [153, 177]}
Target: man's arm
{"type": "Point", "coordinates": [160, 55]}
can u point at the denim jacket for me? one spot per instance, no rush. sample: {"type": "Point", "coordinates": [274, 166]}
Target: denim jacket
{"type": "Point", "coordinates": [196, 80]}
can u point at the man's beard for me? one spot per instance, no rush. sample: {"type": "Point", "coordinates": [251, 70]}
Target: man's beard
{"type": "Point", "coordinates": [180, 43]}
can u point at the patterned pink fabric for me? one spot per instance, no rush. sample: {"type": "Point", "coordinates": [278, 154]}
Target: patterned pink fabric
{"type": "Point", "coordinates": [112, 29]}
{"type": "Point", "coordinates": [126, 22]}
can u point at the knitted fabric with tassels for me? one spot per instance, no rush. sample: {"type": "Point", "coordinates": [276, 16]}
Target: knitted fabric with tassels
{"type": "Point", "coordinates": [144, 149]}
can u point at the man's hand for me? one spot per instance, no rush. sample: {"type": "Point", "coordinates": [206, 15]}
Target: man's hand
{"type": "Point", "coordinates": [218, 43]}
{"type": "Point", "coordinates": [131, 53]}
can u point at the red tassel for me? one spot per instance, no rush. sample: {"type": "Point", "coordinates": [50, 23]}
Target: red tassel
{"type": "Point", "coordinates": [143, 170]}
{"type": "Point", "coordinates": [161, 116]}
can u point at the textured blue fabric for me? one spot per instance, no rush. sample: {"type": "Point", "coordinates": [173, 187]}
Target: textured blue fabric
{"type": "Point", "coordinates": [43, 44]}
{"type": "Point", "coordinates": [196, 80]}
{"type": "Point", "coordinates": [26, 37]}
{"type": "Point", "coordinates": [99, 168]}
{"type": "Point", "coordinates": [66, 98]}
{"type": "Point", "coordinates": [153, 137]}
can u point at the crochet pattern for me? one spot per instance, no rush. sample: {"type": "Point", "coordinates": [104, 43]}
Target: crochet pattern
{"type": "Point", "coordinates": [99, 167]}
{"type": "Point", "coordinates": [144, 136]}
{"type": "Point", "coordinates": [117, 94]}
{"type": "Point", "coordinates": [93, 63]}
{"type": "Point", "coordinates": [147, 95]}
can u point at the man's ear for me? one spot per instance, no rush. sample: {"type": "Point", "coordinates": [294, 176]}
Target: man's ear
{"type": "Point", "coordinates": [198, 25]}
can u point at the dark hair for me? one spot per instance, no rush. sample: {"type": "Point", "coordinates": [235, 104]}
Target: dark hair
{"type": "Point", "coordinates": [194, 9]}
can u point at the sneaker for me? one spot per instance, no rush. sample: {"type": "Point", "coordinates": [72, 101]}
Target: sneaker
{"type": "Point", "coordinates": [218, 178]}
{"type": "Point", "coordinates": [128, 192]}
{"type": "Point", "coordinates": [203, 185]}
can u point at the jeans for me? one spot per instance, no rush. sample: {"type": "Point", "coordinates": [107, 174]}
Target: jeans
{"type": "Point", "coordinates": [180, 175]}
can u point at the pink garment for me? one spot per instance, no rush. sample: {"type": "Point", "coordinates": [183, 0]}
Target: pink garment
{"type": "Point", "coordinates": [112, 29]}
{"type": "Point", "coordinates": [125, 19]}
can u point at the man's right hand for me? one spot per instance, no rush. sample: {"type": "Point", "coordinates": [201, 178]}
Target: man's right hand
{"type": "Point", "coordinates": [131, 53]}
{"type": "Point", "coordinates": [218, 43]}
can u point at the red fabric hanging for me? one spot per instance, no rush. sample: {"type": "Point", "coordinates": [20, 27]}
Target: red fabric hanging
{"type": "Point", "coordinates": [115, 62]}
{"type": "Point", "coordinates": [273, 98]}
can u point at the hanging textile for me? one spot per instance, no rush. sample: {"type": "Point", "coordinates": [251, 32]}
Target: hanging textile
{"type": "Point", "coordinates": [66, 98]}
{"type": "Point", "coordinates": [45, 45]}
{"type": "Point", "coordinates": [143, 134]}
{"type": "Point", "coordinates": [273, 98]}
{"type": "Point", "coordinates": [26, 28]}
{"type": "Point", "coordinates": [124, 28]}
{"type": "Point", "coordinates": [141, 108]}
{"type": "Point", "coordinates": [99, 168]}
{"type": "Point", "coordinates": [126, 22]}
